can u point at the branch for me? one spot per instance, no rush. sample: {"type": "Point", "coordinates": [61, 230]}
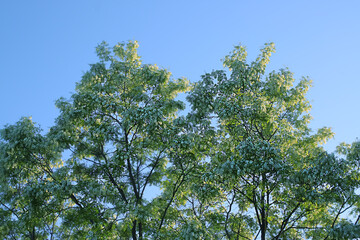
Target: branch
{"type": "Point", "coordinates": [176, 188]}
{"type": "Point", "coordinates": [129, 167]}
{"type": "Point", "coordinates": [337, 216]}
{"type": "Point", "coordinates": [112, 180]}
{"type": "Point", "coordinates": [151, 171]}
{"type": "Point", "coordinates": [286, 221]}
{"type": "Point", "coordinates": [10, 209]}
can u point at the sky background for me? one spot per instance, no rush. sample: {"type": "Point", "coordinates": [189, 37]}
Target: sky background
{"type": "Point", "coordinates": [46, 46]}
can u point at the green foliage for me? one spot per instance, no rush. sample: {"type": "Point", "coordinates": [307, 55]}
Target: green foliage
{"type": "Point", "coordinates": [242, 164]}
{"type": "Point", "coordinates": [275, 180]}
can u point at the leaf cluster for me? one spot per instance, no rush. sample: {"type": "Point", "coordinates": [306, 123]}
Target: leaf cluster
{"type": "Point", "coordinates": [120, 163]}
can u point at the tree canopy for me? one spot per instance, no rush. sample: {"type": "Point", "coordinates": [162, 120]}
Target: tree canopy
{"type": "Point", "coordinates": [122, 162]}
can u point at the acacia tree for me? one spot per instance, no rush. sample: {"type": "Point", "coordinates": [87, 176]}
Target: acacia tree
{"type": "Point", "coordinates": [268, 176]}
{"type": "Point", "coordinates": [243, 164]}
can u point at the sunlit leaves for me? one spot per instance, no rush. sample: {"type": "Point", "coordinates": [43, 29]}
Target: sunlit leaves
{"type": "Point", "coordinates": [267, 158]}
{"type": "Point", "coordinates": [119, 163]}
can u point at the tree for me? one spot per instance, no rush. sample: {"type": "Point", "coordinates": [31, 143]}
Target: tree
{"type": "Point", "coordinates": [120, 126]}
{"type": "Point", "coordinates": [270, 175]}
{"type": "Point", "coordinates": [242, 164]}
{"type": "Point", "coordinates": [28, 209]}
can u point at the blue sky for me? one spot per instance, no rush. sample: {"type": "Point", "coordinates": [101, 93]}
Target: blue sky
{"type": "Point", "coordinates": [46, 46]}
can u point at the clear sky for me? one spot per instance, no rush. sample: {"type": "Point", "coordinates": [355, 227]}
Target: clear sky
{"type": "Point", "coordinates": [46, 46]}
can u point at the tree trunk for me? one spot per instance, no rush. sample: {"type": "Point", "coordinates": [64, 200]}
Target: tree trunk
{"type": "Point", "coordinates": [32, 234]}
{"type": "Point", "coordinates": [263, 233]}
{"type": "Point", "coordinates": [133, 230]}
{"type": "Point", "coordinates": [140, 231]}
